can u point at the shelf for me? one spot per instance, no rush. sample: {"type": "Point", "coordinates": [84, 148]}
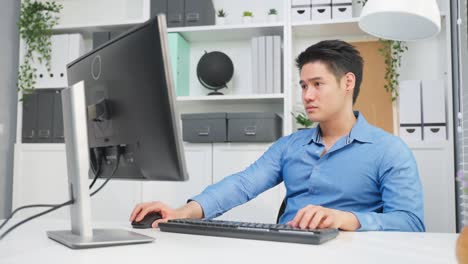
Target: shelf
{"type": "Point", "coordinates": [90, 28]}
{"type": "Point", "coordinates": [330, 28]}
{"type": "Point", "coordinates": [32, 147]}
{"type": "Point", "coordinates": [228, 32]}
{"type": "Point", "coordinates": [428, 145]}
{"type": "Point", "coordinates": [224, 98]}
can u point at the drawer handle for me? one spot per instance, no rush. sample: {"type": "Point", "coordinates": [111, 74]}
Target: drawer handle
{"type": "Point", "coordinates": [435, 130]}
{"type": "Point", "coordinates": [410, 130]}
{"type": "Point", "coordinates": [44, 133]}
{"type": "Point", "coordinates": [175, 19]}
{"type": "Point", "coordinates": [203, 132]}
{"type": "Point", "coordinates": [301, 11]}
{"type": "Point", "coordinates": [321, 10]}
{"type": "Point", "coordinates": [32, 134]}
{"type": "Point", "coordinates": [250, 131]}
{"type": "Point", "coordinates": [342, 9]}
{"type": "Point", "coordinates": [193, 17]}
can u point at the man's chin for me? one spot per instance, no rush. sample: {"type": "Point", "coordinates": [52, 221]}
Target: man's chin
{"type": "Point", "coordinates": [314, 117]}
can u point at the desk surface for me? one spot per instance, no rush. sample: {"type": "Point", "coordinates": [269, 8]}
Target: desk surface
{"type": "Point", "coordinates": [29, 244]}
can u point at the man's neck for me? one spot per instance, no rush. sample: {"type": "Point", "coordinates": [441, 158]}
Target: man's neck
{"type": "Point", "coordinates": [337, 127]}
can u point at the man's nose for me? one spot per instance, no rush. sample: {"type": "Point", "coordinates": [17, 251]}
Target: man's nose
{"type": "Point", "coordinates": [309, 94]}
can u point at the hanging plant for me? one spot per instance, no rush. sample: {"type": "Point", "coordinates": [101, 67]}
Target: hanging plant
{"type": "Point", "coordinates": [35, 28]}
{"type": "Point", "coordinates": [392, 52]}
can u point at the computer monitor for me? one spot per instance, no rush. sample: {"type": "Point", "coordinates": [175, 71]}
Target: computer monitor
{"type": "Point", "coordinates": [121, 99]}
{"type": "Point", "coordinates": [130, 102]}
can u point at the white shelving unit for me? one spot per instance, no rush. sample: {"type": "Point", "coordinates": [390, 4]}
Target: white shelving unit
{"type": "Point", "coordinates": [87, 16]}
{"type": "Point", "coordinates": [228, 32]}
{"type": "Point", "coordinates": [234, 39]}
{"type": "Point", "coordinates": [236, 98]}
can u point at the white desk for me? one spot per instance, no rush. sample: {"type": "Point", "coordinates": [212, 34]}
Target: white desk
{"type": "Point", "coordinates": [29, 244]}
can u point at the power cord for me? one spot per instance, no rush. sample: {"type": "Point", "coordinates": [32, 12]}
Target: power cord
{"type": "Point", "coordinates": [96, 157]}
{"type": "Point", "coordinates": [57, 206]}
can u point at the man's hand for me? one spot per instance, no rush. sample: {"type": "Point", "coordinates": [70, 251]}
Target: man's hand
{"type": "Point", "coordinates": [313, 217]}
{"type": "Point", "coordinates": [190, 210]}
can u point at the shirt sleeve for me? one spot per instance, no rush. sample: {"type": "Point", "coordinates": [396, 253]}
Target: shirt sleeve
{"type": "Point", "coordinates": [402, 195]}
{"type": "Point", "coordinates": [241, 187]}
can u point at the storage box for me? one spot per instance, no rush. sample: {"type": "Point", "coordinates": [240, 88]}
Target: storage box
{"type": "Point", "coordinates": [321, 2]}
{"type": "Point", "coordinates": [410, 110]}
{"type": "Point", "coordinates": [204, 128]}
{"type": "Point", "coordinates": [342, 12]}
{"type": "Point", "coordinates": [300, 3]}
{"type": "Point", "coordinates": [341, 2]}
{"type": "Point", "coordinates": [301, 13]}
{"type": "Point", "coordinates": [411, 133]}
{"type": "Point", "coordinates": [433, 99]}
{"type": "Point", "coordinates": [189, 13]}
{"type": "Point", "coordinates": [410, 102]}
{"type": "Point", "coordinates": [199, 13]}
{"type": "Point", "coordinates": [321, 13]}
{"type": "Point", "coordinates": [254, 127]}
{"type": "Point", "coordinates": [435, 133]}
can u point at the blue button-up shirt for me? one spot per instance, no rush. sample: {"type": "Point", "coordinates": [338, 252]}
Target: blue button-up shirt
{"type": "Point", "coordinates": [369, 173]}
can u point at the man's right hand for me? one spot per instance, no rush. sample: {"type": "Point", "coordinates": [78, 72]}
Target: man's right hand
{"type": "Point", "coordinates": [190, 210]}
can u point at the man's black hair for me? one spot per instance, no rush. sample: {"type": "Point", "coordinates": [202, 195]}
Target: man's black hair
{"type": "Point", "coordinates": [340, 58]}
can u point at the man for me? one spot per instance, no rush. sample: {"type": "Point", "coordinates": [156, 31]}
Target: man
{"type": "Point", "coordinates": [344, 174]}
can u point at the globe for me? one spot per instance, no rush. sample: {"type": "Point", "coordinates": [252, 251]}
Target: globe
{"type": "Point", "coordinates": [214, 70]}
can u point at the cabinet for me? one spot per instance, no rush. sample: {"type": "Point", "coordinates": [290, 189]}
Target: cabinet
{"type": "Point", "coordinates": [43, 117]}
{"type": "Point", "coordinates": [40, 176]}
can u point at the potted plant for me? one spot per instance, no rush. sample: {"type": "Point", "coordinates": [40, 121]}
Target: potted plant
{"type": "Point", "coordinates": [37, 18]}
{"type": "Point", "coordinates": [302, 120]}
{"type": "Point", "coordinates": [357, 7]}
{"type": "Point", "coordinates": [247, 17]}
{"type": "Point", "coordinates": [272, 15]}
{"type": "Point", "coordinates": [221, 17]}
{"type": "Point", "coordinates": [462, 241]}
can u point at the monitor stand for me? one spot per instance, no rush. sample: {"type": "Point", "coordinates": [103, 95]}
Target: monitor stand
{"type": "Point", "coordinates": [81, 234]}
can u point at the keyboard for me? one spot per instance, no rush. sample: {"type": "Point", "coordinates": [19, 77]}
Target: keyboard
{"type": "Point", "coordinates": [245, 230]}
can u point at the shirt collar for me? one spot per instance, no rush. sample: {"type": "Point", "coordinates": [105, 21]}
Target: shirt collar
{"type": "Point", "coordinates": [361, 131]}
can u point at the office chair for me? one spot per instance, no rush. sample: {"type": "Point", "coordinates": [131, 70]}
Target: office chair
{"type": "Point", "coordinates": [281, 210]}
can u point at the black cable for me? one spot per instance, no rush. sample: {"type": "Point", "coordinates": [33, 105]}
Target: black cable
{"type": "Point", "coordinates": [96, 156]}
{"type": "Point", "coordinates": [35, 216]}
{"type": "Point", "coordinates": [56, 207]}
{"type": "Point", "coordinates": [25, 207]}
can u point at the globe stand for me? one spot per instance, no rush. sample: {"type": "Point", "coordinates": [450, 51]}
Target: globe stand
{"type": "Point", "coordinates": [216, 93]}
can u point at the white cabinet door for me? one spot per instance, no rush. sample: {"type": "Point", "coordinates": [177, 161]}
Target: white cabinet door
{"type": "Point", "coordinates": [41, 177]}
{"type": "Point", "coordinates": [437, 176]}
{"type": "Point", "coordinates": [229, 158]}
{"type": "Point", "coordinates": [115, 202]}
{"type": "Point", "coordinates": [175, 194]}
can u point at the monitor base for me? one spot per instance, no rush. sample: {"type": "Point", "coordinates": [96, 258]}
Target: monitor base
{"type": "Point", "coordinates": [100, 238]}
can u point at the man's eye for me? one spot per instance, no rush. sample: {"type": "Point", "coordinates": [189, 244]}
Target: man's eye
{"type": "Point", "coordinates": [304, 87]}
{"type": "Point", "coordinates": [318, 84]}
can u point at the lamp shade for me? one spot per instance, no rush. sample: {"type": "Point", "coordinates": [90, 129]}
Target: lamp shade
{"type": "Point", "coordinates": [403, 20]}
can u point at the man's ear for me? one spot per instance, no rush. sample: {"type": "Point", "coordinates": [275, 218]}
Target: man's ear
{"type": "Point", "coordinates": [350, 81]}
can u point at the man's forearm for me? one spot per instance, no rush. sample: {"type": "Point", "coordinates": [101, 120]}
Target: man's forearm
{"type": "Point", "coordinates": [191, 210]}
